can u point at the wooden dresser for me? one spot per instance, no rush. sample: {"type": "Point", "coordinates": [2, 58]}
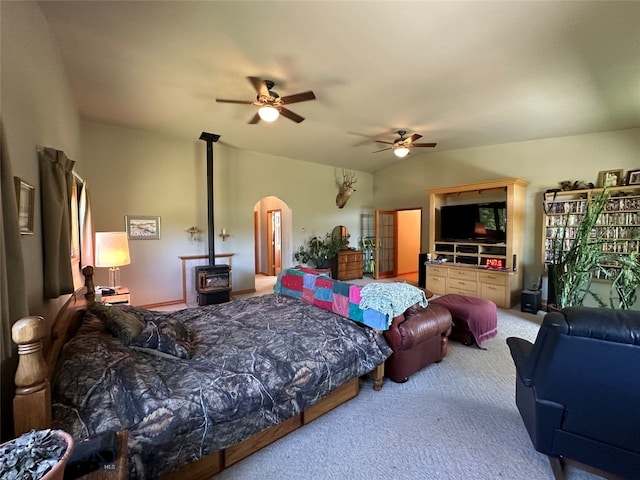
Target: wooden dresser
{"type": "Point", "coordinates": [472, 281]}
{"type": "Point", "coordinates": [347, 265]}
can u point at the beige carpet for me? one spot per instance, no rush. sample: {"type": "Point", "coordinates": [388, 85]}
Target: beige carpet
{"type": "Point", "coordinates": [455, 420]}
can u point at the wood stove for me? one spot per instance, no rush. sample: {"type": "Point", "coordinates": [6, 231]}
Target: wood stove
{"type": "Point", "coordinates": [213, 283]}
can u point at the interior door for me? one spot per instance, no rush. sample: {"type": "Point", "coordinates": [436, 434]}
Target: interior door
{"type": "Point", "coordinates": [386, 239]}
{"type": "Point", "coordinates": [274, 235]}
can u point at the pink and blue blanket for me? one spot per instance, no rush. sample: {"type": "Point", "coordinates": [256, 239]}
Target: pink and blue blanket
{"type": "Point", "coordinates": [333, 295]}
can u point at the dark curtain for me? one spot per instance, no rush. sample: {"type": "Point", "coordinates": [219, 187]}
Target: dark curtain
{"type": "Point", "coordinates": [56, 182]}
{"type": "Point", "coordinates": [13, 292]}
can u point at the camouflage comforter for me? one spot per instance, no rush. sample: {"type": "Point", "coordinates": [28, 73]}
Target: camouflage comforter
{"type": "Point", "coordinates": [257, 362]}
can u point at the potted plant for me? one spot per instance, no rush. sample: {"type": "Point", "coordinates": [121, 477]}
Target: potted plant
{"type": "Point", "coordinates": [575, 262]}
{"type": "Point", "coordinates": [318, 251]}
{"type": "Point", "coordinates": [36, 455]}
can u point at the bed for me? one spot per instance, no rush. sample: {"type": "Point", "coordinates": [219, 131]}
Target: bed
{"type": "Point", "coordinates": [230, 379]}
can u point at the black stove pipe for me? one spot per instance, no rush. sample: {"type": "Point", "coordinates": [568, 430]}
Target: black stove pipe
{"type": "Point", "coordinates": [210, 138]}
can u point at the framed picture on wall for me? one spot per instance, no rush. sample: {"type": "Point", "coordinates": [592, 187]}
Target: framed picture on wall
{"type": "Point", "coordinates": [142, 227]}
{"type": "Point", "coordinates": [26, 195]}
{"type": "Point", "coordinates": [610, 178]}
{"type": "Point", "coordinates": [633, 177]}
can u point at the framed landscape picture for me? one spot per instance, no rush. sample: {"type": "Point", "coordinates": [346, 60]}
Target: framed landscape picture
{"type": "Point", "coordinates": [25, 194]}
{"type": "Point", "coordinates": [142, 227]}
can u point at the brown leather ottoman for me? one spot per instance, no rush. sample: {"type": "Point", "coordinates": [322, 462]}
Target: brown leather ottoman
{"type": "Point", "coordinates": [474, 319]}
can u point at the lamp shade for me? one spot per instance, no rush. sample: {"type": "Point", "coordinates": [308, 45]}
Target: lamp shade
{"type": "Point", "coordinates": [401, 152]}
{"type": "Point", "coordinates": [268, 113]}
{"type": "Point", "coordinates": [112, 249]}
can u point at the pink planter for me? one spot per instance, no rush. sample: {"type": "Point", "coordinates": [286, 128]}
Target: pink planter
{"type": "Point", "coordinates": [57, 472]}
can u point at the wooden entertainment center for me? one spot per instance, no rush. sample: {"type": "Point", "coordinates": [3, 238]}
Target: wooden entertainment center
{"type": "Point", "coordinates": [465, 267]}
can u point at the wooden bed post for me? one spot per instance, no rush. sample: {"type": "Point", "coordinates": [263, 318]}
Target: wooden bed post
{"type": "Point", "coordinates": [33, 394]}
{"type": "Point", "coordinates": [88, 283]}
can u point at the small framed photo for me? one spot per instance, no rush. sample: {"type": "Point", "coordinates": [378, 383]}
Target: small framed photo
{"type": "Point", "coordinates": [26, 196]}
{"type": "Point", "coordinates": [142, 228]}
{"type": "Point", "coordinates": [633, 177]}
{"type": "Point", "coordinates": [610, 178]}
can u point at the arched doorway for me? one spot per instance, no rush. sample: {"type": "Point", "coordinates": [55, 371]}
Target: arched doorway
{"type": "Point", "coordinates": [273, 235]}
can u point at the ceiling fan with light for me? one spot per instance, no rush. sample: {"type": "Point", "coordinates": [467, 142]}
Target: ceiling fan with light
{"type": "Point", "coordinates": [271, 104]}
{"type": "Point", "coordinates": [402, 145]}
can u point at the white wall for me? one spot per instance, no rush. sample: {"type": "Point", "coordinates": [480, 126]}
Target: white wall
{"type": "Point", "coordinates": [37, 109]}
{"type": "Point", "coordinates": [136, 172]}
{"type": "Point", "coordinates": [543, 163]}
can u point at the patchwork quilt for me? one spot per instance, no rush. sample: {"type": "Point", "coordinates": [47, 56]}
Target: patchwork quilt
{"type": "Point", "coordinates": [373, 305]}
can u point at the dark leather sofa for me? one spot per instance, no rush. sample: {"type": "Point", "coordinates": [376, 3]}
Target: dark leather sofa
{"type": "Point", "coordinates": [418, 338]}
{"type": "Point", "coordinates": [578, 389]}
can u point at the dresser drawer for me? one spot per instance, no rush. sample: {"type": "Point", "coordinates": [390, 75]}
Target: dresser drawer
{"type": "Point", "coordinates": [462, 291]}
{"type": "Point", "coordinates": [437, 284]}
{"type": "Point", "coordinates": [493, 278]}
{"type": "Point", "coordinates": [434, 270]}
{"type": "Point", "coordinates": [347, 257]}
{"type": "Point", "coordinates": [495, 293]}
{"type": "Point", "coordinates": [463, 274]}
{"type": "Point", "coordinates": [467, 285]}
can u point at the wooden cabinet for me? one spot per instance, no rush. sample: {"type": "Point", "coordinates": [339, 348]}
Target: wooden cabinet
{"type": "Point", "coordinates": [472, 282]}
{"type": "Point", "coordinates": [465, 270]}
{"type": "Point", "coordinates": [347, 265]}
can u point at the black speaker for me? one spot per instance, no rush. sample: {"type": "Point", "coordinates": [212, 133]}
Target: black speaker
{"type": "Point", "coordinates": [422, 270]}
{"type": "Point", "coordinates": [530, 301]}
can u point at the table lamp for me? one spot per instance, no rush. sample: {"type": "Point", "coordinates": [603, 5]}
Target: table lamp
{"type": "Point", "coordinates": [112, 251]}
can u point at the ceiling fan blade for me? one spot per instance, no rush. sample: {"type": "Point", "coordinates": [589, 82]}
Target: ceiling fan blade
{"type": "Point", "coordinates": [423, 144]}
{"type": "Point", "coordinates": [382, 149]}
{"type": "Point", "coordinates": [223, 100]}
{"type": "Point", "coordinates": [413, 138]}
{"type": "Point", "coordinates": [255, 119]}
{"type": "Point", "coordinates": [380, 141]}
{"type": "Point", "coordinates": [298, 97]}
{"type": "Point", "coordinates": [259, 85]}
{"type": "Point", "coordinates": [290, 115]}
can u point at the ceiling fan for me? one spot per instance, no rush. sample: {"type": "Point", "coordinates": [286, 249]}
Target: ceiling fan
{"type": "Point", "coordinates": [402, 145]}
{"type": "Point", "coordinates": [271, 104]}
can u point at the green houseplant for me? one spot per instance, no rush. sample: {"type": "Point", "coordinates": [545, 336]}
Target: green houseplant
{"type": "Point", "coordinates": [318, 251]}
{"type": "Point", "coordinates": [576, 260]}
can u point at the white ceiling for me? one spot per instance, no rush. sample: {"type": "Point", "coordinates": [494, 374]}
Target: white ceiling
{"type": "Point", "coordinates": [462, 74]}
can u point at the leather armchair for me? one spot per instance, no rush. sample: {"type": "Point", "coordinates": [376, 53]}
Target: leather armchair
{"type": "Point", "coordinates": [578, 389]}
{"type": "Point", "coordinates": [418, 338]}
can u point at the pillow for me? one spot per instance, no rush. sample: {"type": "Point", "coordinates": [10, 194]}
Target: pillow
{"type": "Point", "coordinates": [121, 324]}
{"type": "Point", "coordinates": [167, 336]}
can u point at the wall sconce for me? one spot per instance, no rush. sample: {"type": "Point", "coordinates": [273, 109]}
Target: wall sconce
{"type": "Point", "coordinates": [193, 231]}
{"type": "Point", "coordinates": [224, 234]}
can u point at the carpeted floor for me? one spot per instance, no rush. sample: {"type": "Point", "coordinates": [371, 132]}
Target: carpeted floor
{"type": "Point", "coordinates": [453, 420]}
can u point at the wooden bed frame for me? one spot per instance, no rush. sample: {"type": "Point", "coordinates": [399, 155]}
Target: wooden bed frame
{"type": "Point", "coordinates": [36, 360]}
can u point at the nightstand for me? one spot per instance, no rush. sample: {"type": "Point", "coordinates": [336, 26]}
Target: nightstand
{"type": "Point", "coordinates": [120, 297]}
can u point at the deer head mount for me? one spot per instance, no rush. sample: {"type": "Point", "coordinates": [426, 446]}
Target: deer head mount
{"type": "Point", "coordinates": [345, 189]}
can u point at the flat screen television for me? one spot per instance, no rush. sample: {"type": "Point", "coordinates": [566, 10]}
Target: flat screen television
{"type": "Point", "coordinates": [477, 222]}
